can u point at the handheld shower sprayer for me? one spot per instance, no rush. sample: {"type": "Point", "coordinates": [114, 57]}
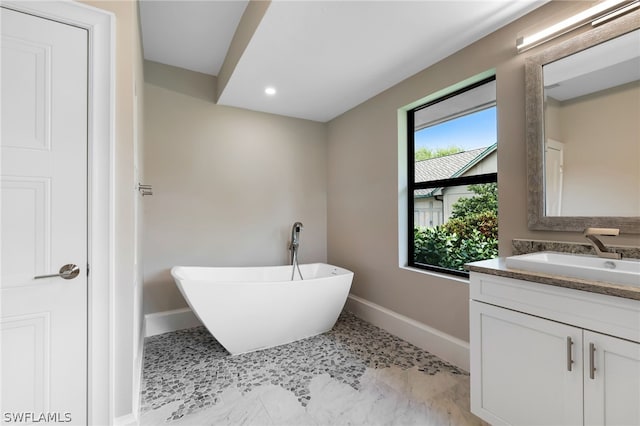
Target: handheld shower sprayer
{"type": "Point", "coordinates": [293, 247]}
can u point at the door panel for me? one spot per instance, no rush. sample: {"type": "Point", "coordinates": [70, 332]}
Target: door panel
{"type": "Point", "coordinates": [26, 370]}
{"type": "Point", "coordinates": [27, 90]}
{"type": "Point", "coordinates": [25, 206]}
{"type": "Point", "coordinates": [43, 186]}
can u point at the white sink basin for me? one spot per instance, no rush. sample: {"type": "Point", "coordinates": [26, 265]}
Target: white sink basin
{"type": "Point", "coordinates": [579, 266]}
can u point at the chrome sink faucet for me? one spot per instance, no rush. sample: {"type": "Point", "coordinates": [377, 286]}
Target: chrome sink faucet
{"type": "Point", "coordinates": [601, 250]}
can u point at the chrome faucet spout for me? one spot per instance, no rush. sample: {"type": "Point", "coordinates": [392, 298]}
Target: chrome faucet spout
{"type": "Point", "coordinates": [601, 250]}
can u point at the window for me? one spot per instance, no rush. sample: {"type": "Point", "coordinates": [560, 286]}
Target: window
{"type": "Point", "coordinates": [452, 180]}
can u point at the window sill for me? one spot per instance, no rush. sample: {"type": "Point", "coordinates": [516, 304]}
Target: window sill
{"type": "Point", "coordinates": [436, 274]}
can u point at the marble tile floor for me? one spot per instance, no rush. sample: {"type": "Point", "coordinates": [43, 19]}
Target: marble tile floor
{"type": "Point", "coordinates": [356, 374]}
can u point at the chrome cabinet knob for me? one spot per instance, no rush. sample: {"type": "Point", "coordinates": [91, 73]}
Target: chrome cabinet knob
{"type": "Point", "coordinates": [68, 272]}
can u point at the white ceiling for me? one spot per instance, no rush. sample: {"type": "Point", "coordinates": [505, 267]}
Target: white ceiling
{"type": "Point", "coordinates": [194, 35]}
{"type": "Point", "coordinates": [323, 57]}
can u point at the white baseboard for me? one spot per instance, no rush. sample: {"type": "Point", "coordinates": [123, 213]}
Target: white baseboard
{"type": "Point", "coordinates": [164, 322]}
{"type": "Point", "coordinates": [138, 371]}
{"type": "Point", "coordinates": [444, 346]}
{"type": "Point", "coordinates": [126, 420]}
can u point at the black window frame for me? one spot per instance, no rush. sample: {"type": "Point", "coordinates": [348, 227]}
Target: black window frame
{"type": "Point", "coordinates": [412, 185]}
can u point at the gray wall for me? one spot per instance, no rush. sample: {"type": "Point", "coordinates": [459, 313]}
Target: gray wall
{"type": "Point", "coordinates": [364, 173]}
{"type": "Point", "coordinates": [604, 159]}
{"type": "Point", "coordinates": [228, 183]}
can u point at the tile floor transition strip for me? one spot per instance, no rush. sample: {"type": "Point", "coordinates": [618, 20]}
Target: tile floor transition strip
{"type": "Point", "coordinates": [188, 372]}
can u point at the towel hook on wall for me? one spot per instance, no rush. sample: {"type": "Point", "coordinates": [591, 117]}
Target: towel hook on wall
{"type": "Point", "coordinates": [145, 189]}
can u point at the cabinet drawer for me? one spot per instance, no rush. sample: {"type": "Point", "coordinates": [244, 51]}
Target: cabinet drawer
{"type": "Point", "coordinates": [606, 314]}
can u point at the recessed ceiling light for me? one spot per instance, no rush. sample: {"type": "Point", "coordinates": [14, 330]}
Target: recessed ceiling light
{"type": "Point", "coordinates": [270, 91]}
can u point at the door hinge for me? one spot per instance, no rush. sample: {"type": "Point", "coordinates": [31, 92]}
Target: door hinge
{"type": "Point", "coordinates": [87, 269]}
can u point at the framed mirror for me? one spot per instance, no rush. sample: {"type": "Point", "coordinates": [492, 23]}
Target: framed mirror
{"type": "Point", "coordinates": [583, 130]}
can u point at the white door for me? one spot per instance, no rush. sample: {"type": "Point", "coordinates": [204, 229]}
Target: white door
{"type": "Point", "coordinates": [612, 380]}
{"type": "Point", "coordinates": [553, 173]}
{"type": "Point", "coordinates": [529, 373]}
{"type": "Point", "coordinates": [44, 220]}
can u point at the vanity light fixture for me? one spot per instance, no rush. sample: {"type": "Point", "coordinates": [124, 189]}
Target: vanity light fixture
{"type": "Point", "coordinates": [616, 13]}
{"type": "Point", "coordinates": [270, 91]}
{"type": "Point", "coordinates": [598, 12]}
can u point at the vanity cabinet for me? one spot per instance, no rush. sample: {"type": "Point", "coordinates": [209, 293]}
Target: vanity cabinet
{"type": "Point", "coordinates": [542, 355]}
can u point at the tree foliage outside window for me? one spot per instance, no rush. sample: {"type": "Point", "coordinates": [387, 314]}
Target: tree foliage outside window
{"type": "Point", "coordinates": [470, 234]}
{"type": "Point", "coordinates": [426, 153]}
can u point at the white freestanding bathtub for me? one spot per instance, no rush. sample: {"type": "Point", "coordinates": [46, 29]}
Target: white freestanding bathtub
{"type": "Point", "coordinates": [253, 308]}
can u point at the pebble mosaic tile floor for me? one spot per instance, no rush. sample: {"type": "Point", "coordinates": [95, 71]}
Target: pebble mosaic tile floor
{"type": "Point", "coordinates": [354, 374]}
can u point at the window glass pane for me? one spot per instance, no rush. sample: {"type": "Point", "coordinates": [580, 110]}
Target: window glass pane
{"type": "Point", "coordinates": [464, 146]}
{"type": "Point", "coordinates": [455, 210]}
{"type": "Point", "coordinates": [456, 225]}
{"type": "Point", "coordinates": [475, 99]}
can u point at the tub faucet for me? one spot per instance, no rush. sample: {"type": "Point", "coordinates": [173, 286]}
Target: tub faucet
{"type": "Point", "coordinates": [601, 250]}
{"type": "Point", "coordinates": [293, 247]}
{"type": "Point", "coordinates": [295, 240]}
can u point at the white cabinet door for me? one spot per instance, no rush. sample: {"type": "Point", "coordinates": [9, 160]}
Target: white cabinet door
{"type": "Point", "coordinates": [612, 380]}
{"type": "Point", "coordinates": [524, 370]}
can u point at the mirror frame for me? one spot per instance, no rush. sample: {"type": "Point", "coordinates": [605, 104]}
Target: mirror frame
{"type": "Point", "coordinates": [534, 110]}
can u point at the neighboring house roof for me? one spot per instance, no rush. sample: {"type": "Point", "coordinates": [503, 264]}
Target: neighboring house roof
{"type": "Point", "coordinates": [448, 166]}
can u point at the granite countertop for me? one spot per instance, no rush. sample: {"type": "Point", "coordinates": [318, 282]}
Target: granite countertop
{"type": "Point", "coordinates": [498, 267]}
